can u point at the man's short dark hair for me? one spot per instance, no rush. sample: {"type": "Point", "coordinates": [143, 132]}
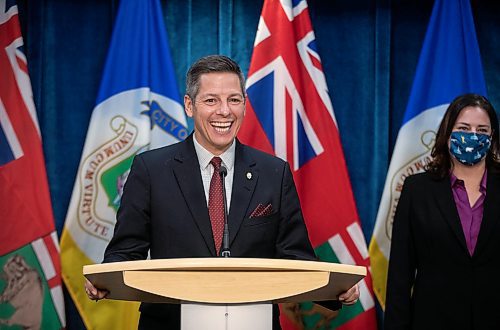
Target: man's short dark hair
{"type": "Point", "coordinates": [211, 64]}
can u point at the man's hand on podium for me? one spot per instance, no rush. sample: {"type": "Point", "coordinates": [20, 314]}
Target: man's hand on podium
{"type": "Point", "coordinates": [350, 297]}
{"type": "Point", "coordinates": [93, 292]}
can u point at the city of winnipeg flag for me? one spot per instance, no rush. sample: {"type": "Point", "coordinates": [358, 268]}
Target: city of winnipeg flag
{"type": "Point", "coordinates": [449, 65]}
{"type": "Point", "coordinates": [31, 296]}
{"type": "Point", "coordinates": [137, 108]}
{"type": "Point", "coordinates": [289, 114]}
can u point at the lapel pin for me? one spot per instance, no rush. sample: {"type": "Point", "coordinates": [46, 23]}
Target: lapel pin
{"type": "Point", "coordinates": [249, 175]}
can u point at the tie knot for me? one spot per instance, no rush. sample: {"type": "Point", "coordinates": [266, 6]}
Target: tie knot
{"type": "Point", "coordinates": [216, 162]}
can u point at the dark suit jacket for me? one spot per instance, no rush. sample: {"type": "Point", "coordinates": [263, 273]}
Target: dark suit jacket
{"type": "Point", "coordinates": [451, 289]}
{"type": "Point", "coordinates": [164, 210]}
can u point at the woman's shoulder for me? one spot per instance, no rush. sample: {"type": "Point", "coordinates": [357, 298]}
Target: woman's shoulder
{"type": "Point", "coordinates": [422, 180]}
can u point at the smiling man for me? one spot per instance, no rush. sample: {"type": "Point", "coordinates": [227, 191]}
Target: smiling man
{"type": "Point", "coordinates": [216, 102]}
{"type": "Point", "coordinates": [172, 204]}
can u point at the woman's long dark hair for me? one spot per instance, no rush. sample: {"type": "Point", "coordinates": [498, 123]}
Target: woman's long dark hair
{"type": "Point", "coordinates": [441, 162]}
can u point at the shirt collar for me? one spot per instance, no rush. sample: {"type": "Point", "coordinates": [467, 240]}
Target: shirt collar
{"type": "Point", "coordinates": [454, 180]}
{"type": "Point", "coordinates": [482, 186]}
{"type": "Point", "coordinates": [205, 156]}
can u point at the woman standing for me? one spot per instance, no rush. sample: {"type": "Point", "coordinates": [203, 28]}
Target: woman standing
{"type": "Point", "coordinates": [444, 270]}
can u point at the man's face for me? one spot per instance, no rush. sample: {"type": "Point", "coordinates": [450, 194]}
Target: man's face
{"type": "Point", "coordinates": [218, 110]}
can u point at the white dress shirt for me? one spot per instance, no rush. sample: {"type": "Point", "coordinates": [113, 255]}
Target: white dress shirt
{"type": "Point", "coordinates": [206, 169]}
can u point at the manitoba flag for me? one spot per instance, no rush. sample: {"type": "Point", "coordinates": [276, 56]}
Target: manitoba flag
{"type": "Point", "coordinates": [289, 114]}
{"type": "Point", "coordinates": [30, 281]}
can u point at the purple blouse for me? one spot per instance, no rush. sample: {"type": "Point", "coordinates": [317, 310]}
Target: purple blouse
{"type": "Point", "coordinates": [470, 217]}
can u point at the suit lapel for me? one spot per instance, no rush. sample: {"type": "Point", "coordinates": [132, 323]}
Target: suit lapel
{"type": "Point", "coordinates": [490, 213]}
{"type": "Point", "coordinates": [187, 172]}
{"type": "Point", "coordinates": [446, 204]}
{"type": "Point", "coordinates": [244, 182]}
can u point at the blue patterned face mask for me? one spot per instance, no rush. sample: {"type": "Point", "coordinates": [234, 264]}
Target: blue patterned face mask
{"type": "Point", "coordinates": [469, 148]}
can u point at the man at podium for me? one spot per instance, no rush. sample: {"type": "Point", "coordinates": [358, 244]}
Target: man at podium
{"type": "Point", "coordinates": [173, 204]}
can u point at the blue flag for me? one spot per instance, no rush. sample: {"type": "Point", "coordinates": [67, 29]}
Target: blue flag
{"type": "Point", "coordinates": [449, 65]}
{"type": "Point", "coordinates": [139, 54]}
{"type": "Point", "coordinates": [138, 108]}
{"type": "Point", "coordinates": [450, 62]}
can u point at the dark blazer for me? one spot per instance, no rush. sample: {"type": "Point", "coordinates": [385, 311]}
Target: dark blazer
{"type": "Point", "coordinates": [164, 210]}
{"type": "Point", "coordinates": [451, 289]}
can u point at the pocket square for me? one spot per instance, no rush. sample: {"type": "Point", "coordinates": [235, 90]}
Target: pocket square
{"type": "Point", "coordinates": [262, 210]}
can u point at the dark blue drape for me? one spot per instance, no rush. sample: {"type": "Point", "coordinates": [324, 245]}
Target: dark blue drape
{"type": "Point", "coordinates": [369, 50]}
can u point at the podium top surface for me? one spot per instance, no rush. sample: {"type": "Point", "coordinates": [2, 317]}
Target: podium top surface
{"type": "Point", "coordinates": [230, 264]}
{"type": "Point", "coordinates": [223, 280]}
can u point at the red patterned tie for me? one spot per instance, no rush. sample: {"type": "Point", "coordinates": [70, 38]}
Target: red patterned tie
{"type": "Point", "coordinates": [216, 203]}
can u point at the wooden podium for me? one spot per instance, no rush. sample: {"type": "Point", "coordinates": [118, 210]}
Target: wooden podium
{"type": "Point", "coordinates": [222, 282]}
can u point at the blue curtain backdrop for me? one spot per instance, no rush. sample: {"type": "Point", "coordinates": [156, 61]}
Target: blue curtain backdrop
{"type": "Point", "coordinates": [369, 50]}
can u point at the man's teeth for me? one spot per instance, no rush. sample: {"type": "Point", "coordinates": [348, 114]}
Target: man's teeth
{"type": "Point", "coordinates": [221, 127]}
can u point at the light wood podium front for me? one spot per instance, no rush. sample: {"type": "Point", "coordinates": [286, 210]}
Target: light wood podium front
{"type": "Point", "coordinates": [226, 281]}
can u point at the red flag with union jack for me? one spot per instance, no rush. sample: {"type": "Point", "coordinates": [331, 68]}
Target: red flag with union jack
{"type": "Point", "coordinates": [30, 279]}
{"type": "Point", "coordinates": [289, 114]}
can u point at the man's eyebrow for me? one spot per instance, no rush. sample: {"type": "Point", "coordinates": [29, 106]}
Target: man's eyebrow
{"type": "Point", "coordinates": [218, 96]}
{"type": "Point", "coordinates": [208, 94]}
